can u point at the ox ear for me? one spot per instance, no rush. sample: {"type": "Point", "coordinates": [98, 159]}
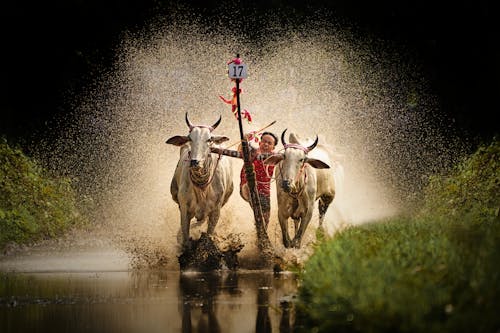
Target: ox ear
{"type": "Point", "coordinates": [274, 159]}
{"type": "Point", "coordinates": [218, 139]}
{"type": "Point", "coordinates": [177, 140]}
{"type": "Point", "coordinates": [317, 164]}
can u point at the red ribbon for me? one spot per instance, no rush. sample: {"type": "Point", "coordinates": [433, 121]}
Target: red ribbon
{"type": "Point", "coordinates": [234, 105]}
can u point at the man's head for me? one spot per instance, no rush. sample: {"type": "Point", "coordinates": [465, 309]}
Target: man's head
{"type": "Point", "coordinates": [267, 142]}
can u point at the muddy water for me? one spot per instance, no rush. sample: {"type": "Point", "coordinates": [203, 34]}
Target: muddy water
{"type": "Point", "coordinates": [61, 289]}
{"type": "Point", "coordinates": [147, 301]}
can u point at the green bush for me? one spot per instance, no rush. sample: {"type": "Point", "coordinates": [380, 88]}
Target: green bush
{"type": "Point", "coordinates": [33, 205]}
{"type": "Point", "coordinates": [434, 272]}
{"type": "Point", "coordinates": [471, 189]}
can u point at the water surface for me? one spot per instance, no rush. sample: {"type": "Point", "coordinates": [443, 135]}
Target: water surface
{"type": "Point", "coordinates": [147, 301]}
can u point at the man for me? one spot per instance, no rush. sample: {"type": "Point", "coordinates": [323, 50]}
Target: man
{"type": "Point", "coordinates": [263, 174]}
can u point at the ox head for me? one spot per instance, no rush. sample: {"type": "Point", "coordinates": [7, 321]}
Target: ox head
{"type": "Point", "coordinates": [293, 161]}
{"type": "Point", "coordinates": [200, 138]}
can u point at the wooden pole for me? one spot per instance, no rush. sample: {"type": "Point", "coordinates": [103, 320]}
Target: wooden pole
{"type": "Point", "coordinates": [263, 240]}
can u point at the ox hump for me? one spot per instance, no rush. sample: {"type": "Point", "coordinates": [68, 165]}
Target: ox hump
{"type": "Point", "coordinates": [294, 138]}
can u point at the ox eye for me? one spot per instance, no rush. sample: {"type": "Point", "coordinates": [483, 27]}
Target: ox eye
{"type": "Point", "coordinates": [210, 140]}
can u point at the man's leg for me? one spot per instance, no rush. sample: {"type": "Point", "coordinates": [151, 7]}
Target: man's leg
{"type": "Point", "coordinates": [265, 205]}
{"type": "Point", "coordinates": [265, 202]}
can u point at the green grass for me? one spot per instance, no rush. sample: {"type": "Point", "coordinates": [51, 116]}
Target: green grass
{"type": "Point", "coordinates": [435, 271]}
{"type": "Point", "coordinates": [33, 204]}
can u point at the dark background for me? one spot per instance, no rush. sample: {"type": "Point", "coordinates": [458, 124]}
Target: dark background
{"type": "Point", "coordinates": [51, 49]}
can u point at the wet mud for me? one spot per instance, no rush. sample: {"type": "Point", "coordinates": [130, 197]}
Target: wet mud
{"type": "Point", "coordinates": [210, 253]}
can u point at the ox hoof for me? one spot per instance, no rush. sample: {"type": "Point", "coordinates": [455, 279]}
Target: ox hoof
{"type": "Point", "coordinates": [188, 245]}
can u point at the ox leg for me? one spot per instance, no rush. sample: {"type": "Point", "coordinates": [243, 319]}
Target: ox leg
{"type": "Point", "coordinates": [323, 203]}
{"type": "Point", "coordinates": [296, 217]}
{"type": "Point", "coordinates": [284, 230]}
{"type": "Point", "coordinates": [185, 225]}
{"type": "Point", "coordinates": [296, 224]}
{"type": "Point", "coordinates": [213, 218]}
{"type": "Point", "coordinates": [302, 229]}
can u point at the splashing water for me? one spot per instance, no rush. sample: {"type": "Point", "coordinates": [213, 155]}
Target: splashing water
{"type": "Point", "coordinates": [367, 105]}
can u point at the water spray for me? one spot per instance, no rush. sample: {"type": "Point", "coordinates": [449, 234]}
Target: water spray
{"type": "Point", "coordinates": [370, 106]}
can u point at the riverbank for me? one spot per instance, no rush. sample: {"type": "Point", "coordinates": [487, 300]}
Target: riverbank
{"type": "Point", "coordinates": [435, 270]}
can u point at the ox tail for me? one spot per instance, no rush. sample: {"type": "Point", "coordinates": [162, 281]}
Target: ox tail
{"type": "Point", "coordinates": [339, 177]}
{"type": "Point", "coordinates": [342, 219]}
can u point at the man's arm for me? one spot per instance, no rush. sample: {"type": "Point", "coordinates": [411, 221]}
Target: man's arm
{"type": "Point", "coordinates": [237, 153]}
{"type": "Point", "coordinates": [227, 152]}
{"type": "Point", "coordinates": [263, 156]}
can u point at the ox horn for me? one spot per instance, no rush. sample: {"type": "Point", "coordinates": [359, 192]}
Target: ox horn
{"type": "Point", "coordinates": [311, 147]}
{"type": "Point", "coordinates": [214, 126]}
{"type": "Point", "coordinates": [283, 137]}
{"type": "Point", "coordinates": [188, 122]}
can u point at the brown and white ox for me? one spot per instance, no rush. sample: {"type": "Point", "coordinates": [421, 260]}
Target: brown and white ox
{"type": "Point", "coordinates": [203, 181]}
{"type": "Point", "coordinates": [300, 181]}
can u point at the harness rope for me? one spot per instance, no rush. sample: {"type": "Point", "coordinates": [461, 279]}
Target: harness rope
{"type": "Point", "coordinates": [202, 177]}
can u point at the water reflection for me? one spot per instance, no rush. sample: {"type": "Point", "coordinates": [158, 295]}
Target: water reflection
{"type": "Point", "coordinates": [287, 319]}
{"type": "Point", "coordinates": [198, 309]}
{"type": "Point", "coordinates": [263, 320]}
{"type": "Point", "coordinates": [153, 301]}
{"type": "Point", "coordinates": [233, 302]}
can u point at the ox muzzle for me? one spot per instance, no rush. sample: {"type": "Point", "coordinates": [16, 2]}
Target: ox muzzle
{"type": "Point", "coordinates": [286, 185]}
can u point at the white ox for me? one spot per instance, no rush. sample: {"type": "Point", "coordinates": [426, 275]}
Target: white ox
{"type": "Point", "coordinates": [202, 182]}
{"type": "Point", "coordinates": [300, 181]}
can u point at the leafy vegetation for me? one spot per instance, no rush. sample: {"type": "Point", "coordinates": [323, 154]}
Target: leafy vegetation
{"type": "Point", "coordinates": [436, 271]}
{"type": "Point", "coordinates": [471, 190]}
{"type": "Point", "coordinates": [33, 204]}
